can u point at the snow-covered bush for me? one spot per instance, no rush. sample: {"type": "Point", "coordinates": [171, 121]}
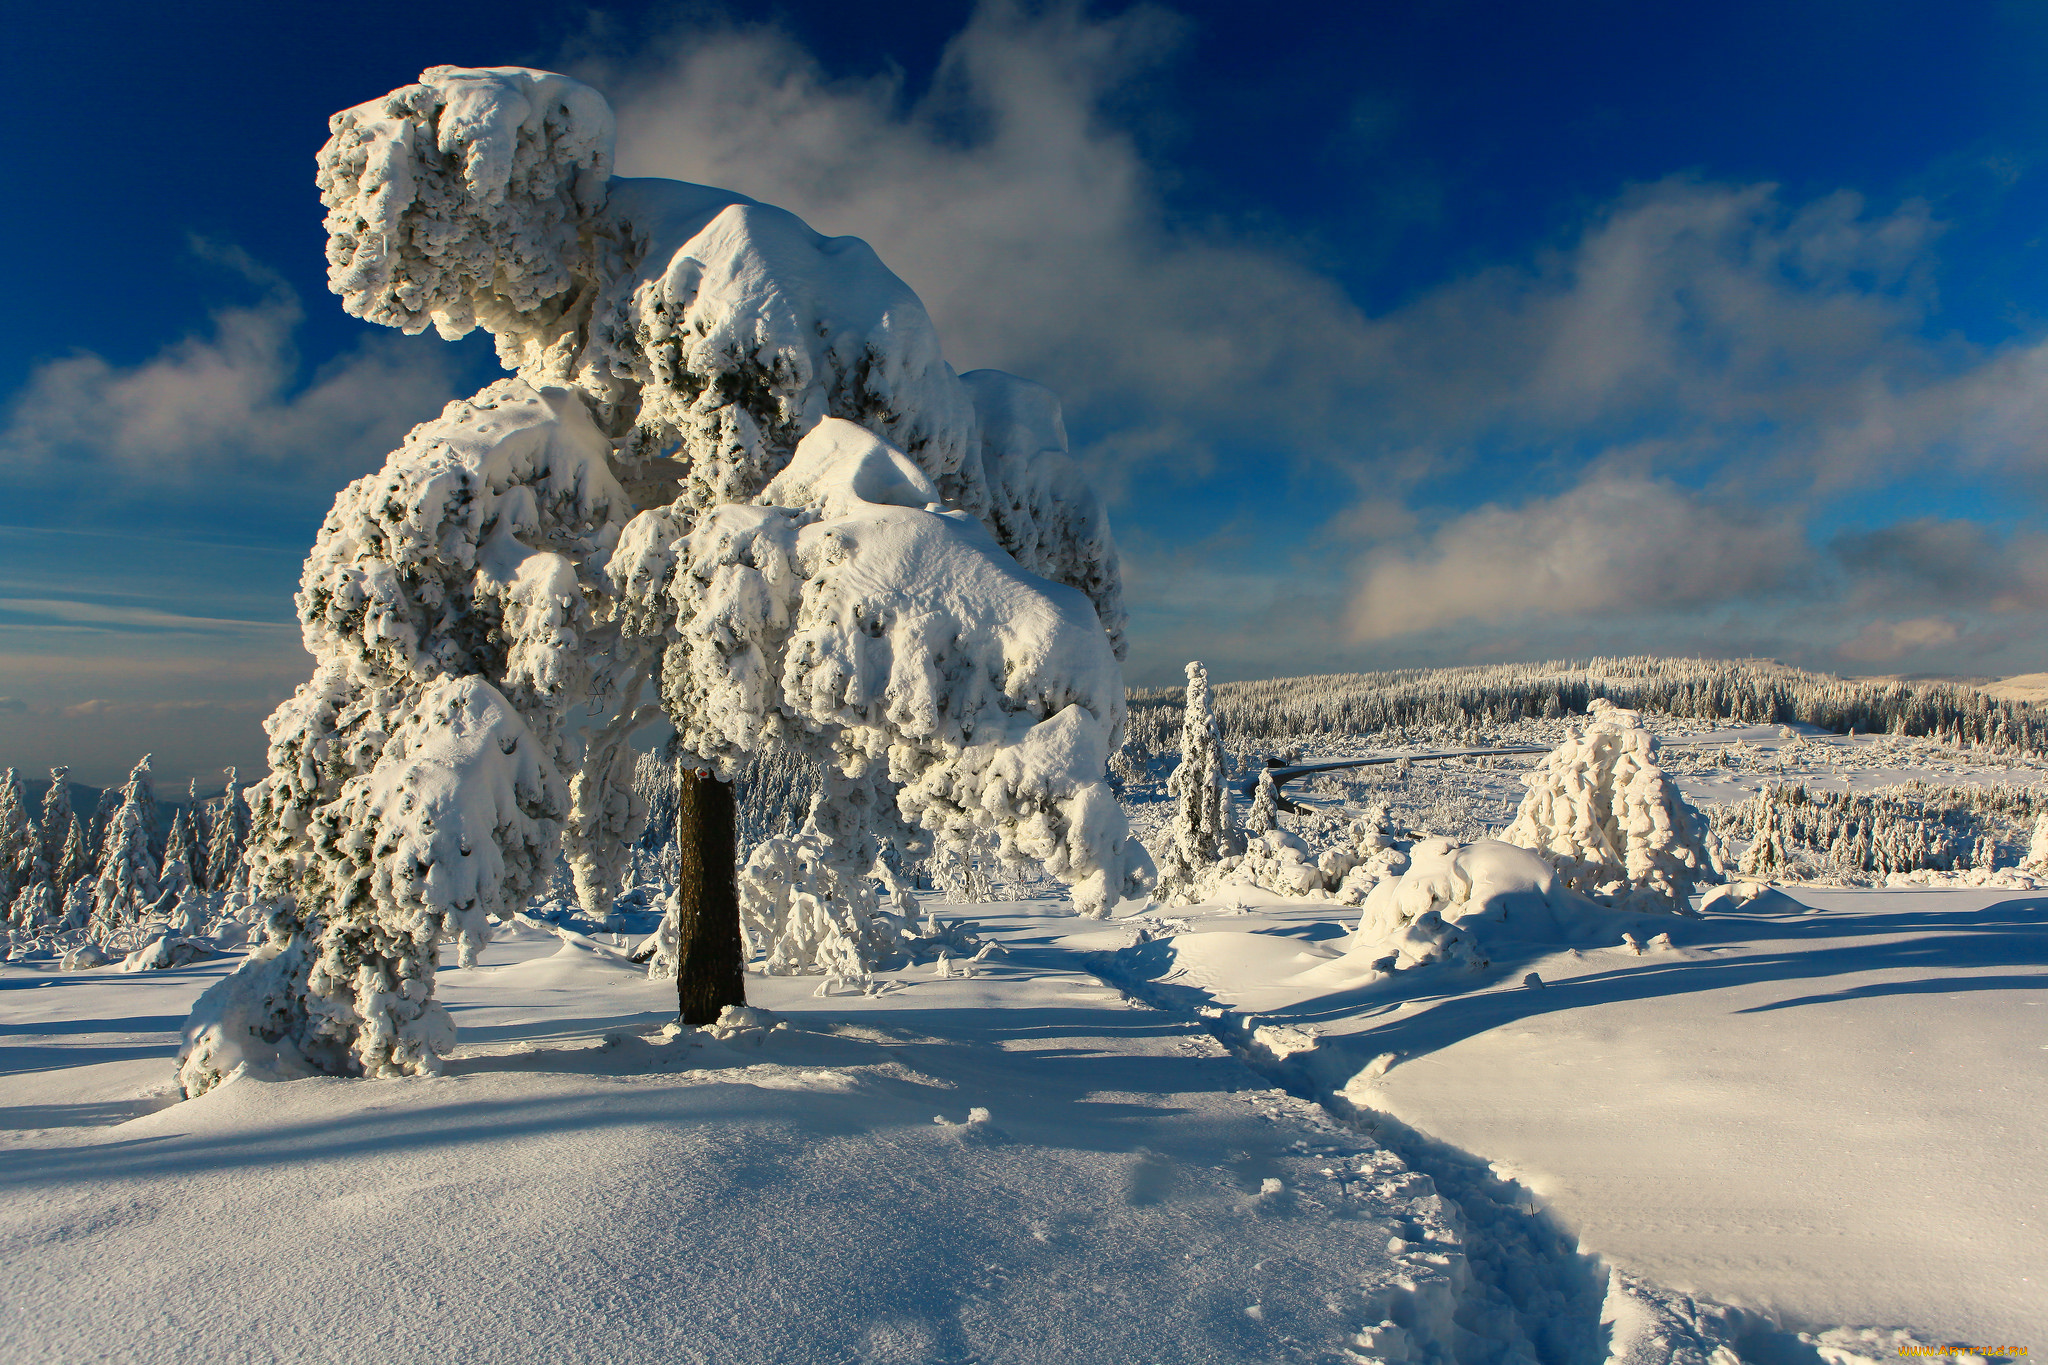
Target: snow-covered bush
{"type": "Point", "coordinates": [1616, 828]}
{"type": "Point", "coordinates": [734, 465]}
{"type": "Point", "coordinates": [1454, 900]}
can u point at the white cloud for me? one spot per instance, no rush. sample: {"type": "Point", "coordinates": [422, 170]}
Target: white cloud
{"type": "Point", "coordinates": [1610, 546]}
{"type": "Point", "coordinates": [210, 402]}
{"type": "Point", "coordinates": [1032, 227]}
{"type": "Point", "coordinates": [99, 616]}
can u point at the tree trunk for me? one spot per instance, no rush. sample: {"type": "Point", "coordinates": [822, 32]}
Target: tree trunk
{"type": "Point", "coordinates": [710, 954]}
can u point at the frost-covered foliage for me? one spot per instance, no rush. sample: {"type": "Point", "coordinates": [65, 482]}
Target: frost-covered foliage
{"type": "Point", "coordinates": [839, 611]}
{"type": "Point", "coordinates": [1615, 827]}
{"type": "Point", "coordinates": [464, 198]}
{"type": "Point", "coordinates": [734, 477]}
{"type": "Point", "coordinates": [1202, 831]}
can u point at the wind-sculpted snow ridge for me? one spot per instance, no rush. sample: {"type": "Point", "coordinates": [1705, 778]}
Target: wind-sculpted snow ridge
{"type": "Point", "coordinates": [840, 548]}
{"type": "Point", "coordinates": [1616, 828]}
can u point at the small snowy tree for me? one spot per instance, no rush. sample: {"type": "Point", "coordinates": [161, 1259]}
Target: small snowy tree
{"type": "Point", "coordinates": [1201, 833]}
{"type": "Point", "coordinates": [20, 849]}
{"type": "Point", "coordinates": [2036, 860]}
{"type": "Point", "coordinates": [733, 474]}
{"type": "Point", "coordinates": [227, 833]}
{"type": "Point", "coordinates": [1265, 812]}
{"type": "Point", "coordinates": [128, 859]}
{"type": "Point", "coordinates": [1605, 815]}
{"type": "Point", "coordinates": [55, 825]}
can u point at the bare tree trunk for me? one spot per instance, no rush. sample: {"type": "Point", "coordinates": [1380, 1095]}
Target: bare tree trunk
{"type": "Point", "coordinates": [710, 954]}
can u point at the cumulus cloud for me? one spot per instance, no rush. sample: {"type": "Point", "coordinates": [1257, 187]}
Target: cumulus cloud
{"type": "Point", "coordinates": [1610, 546]}
{"type": "Point", "coordinates": [1031, 225]}
{"type": "Point", "coordinates": [210, 401]}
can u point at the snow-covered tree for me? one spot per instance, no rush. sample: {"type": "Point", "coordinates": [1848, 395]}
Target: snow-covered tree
{"type": "Point", "coordinates": [733, 479]}
{"type": "Point", "coordinates": [54, 825]}
{"type": "Point", "coordinates": [177, 872]}
{"type": "Point", "coordinates": [1605, 815]}
{"type": "Point", "coordinates": [20, 848]}
{"type": "Point", "coordinates": [1264, 814]}
{"type": "Point", "coordinates": [227, 834]}
{"type": "Point", "coordinates": [2036, 860]}
{"type": "Point", "coordinates": [128, 860]}
{"type": "Point", "coordinates": [1202, 832]}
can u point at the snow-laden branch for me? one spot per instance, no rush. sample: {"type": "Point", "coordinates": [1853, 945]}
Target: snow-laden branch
{"type": "Point", "coordinates": [847, 606]}
{"type": "Point", "coordinates": [463, 199]}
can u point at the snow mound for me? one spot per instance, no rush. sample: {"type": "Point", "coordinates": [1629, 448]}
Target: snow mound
{"type": "Point", "coordinates": [1455, 900]}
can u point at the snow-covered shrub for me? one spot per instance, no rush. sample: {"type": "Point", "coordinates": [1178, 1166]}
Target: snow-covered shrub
{"type": "Point", "coordinates": [1616, 828]}
{"type": "Point", "coordinates": [1454, 898]}
{"type": "Point", "coordinates": [806, 914]}
{"type": "Point", "coordinates": [734, 463]}
{"type": "Point", "coordinates": [1279, 861]}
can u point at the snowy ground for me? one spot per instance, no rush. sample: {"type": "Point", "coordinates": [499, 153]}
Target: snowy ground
{"type": "Point", "coordinates": [1141, 1187]}
{"type": "Point", "coordinates": [1193, 1135]}
{"type": "Point", "coordinates": [1829, 1111]}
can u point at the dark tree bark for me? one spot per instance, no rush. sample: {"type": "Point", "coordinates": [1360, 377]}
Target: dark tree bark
{"type": "Point", "coordinates": [711, 956]}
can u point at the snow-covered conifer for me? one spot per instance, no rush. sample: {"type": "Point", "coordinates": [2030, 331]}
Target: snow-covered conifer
{"type": "Point", "coordinates": [1202, 832]}
{"type": "Point", "coordinates": [1264, 814]}
{"type": "Point", "coordinates": [19, 845]}
{"type": "Point", "coordinates": [74, 862]}
{"type": "Point", "coordinates": [227, 834]}
{"type": "Point", "coordinates": [55, 823]}
{"type": "Point", "coordinates": [179, 854]}
{"type": "Point", "coordinates": [2037, 851]}
{"type": "Point", "coordinates": [734, 464]}
{"type": "Point", "coordinates": [128, 860]}
{"type": "Point", "coordinates": [1605, 815]}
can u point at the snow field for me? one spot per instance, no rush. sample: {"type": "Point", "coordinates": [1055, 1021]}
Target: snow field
{"type": "Point", "coordinates": [1823, 1110]}
{"type": "Point", "coordinates": [1012, 1165]}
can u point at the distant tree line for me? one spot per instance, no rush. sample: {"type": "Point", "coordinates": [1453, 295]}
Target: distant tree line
{"type": "Point", "coordinates": [1862, 836]}
{"type": "Point", "coordinates": [113, 878]}
{"type": "Point", "coordinates": [1460, 701]}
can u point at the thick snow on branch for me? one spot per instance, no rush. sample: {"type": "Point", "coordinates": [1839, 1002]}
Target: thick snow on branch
{"type": "Point", "coordinates": [742, 329]}
{"type": "Point", "coordinates": [851, 608]}
{"type": "Point", "coordinates": [711, 333]}
{"type": "Point", "coordinates": [1615, 827]}
{"type": "Point", "coordinates": [463, 198]}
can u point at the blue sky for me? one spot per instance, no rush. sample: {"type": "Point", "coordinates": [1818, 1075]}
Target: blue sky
{"type": "Point", "coordinates": [1401, 334]}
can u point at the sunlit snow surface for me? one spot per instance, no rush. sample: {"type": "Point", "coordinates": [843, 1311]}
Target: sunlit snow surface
{"type": "Point", "coordinates": [1824, 1107]}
